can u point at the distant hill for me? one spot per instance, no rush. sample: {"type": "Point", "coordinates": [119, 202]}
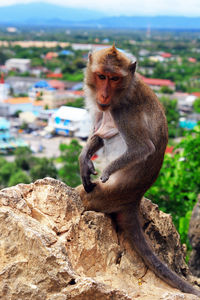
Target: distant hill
{"type": "Point", "coordinates": [46, 14]}
{"type": "Point", "coordinates": [144, 22]}
{"type": "Point", "coordinates": [42, 12]}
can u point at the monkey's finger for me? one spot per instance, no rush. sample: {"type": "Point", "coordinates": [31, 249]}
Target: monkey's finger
{"type": "Point", "coordinates": [89, 187]}
{"type": "Point", "coordinates": [86, 181]}
{"type": "Point", "coordinates": [104, 178]}
{"type": "Point", "coordinates": [91, 168]}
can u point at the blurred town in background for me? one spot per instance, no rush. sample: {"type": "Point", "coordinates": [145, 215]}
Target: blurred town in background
{"type": "Point", "coordinates": [43, 121]}
{"type": "Point", "coordinates": [41, 81]}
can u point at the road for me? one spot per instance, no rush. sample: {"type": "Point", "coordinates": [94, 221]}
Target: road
{"type": "Point", "coordinates": [50, 147]}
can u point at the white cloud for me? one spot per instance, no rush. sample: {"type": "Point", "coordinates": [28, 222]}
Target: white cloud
{"type": "Point", "coordinates": [128, 7]}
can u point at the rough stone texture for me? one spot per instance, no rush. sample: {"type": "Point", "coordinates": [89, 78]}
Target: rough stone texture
{"type": "Point", "coordinates": [194, 237]}
{"type": "Point", "coordinates": [50, 249]}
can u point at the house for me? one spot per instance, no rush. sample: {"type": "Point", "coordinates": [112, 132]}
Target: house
{"type": "Point", "coordinates": [55, 98]}
{"type": "Point", "coordinates": [88, 47]}
{"type": "Point", "coordinates": [8, 142]}
{"type": "Point", "coordinates": [71, 121]}
{"type": "Point", "coordinates": [54, 75]}
{"type": "Point", "coordinates": [23, 104]}
{"type": "Point", "coordinates": [20, 64]}
{"type": "Point", "coordinates": [156, 84]}
{"type": "Point", "coordinates": [20, 85]}
{"type": "Point", "coordinates": [4, 89]}
{"type": "Point", "coordinates": [51, 55]}
{"type": "Point", "coordinates": [185, 101]}
{"type": "Point", "coordinates": [166, 55]}
{"type": "Point", "coordinates": [38, 89]}
{"type": "Point", "coordinates": [57, 84]}
{"type": "Point", "coordinates": [192, 60]}
{"type": "Point", "coordinates": [197, 94]}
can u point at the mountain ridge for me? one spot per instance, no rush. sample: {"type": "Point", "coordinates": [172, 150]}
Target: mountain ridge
{"type": "Point", "coordinates": [46, 14]}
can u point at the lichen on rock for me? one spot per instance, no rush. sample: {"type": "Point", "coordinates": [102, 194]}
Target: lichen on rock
{"type": "Point", "coordinates": [50, 248]}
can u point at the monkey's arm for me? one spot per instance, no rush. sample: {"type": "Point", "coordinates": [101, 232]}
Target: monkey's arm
{"type": "Point", "coordinates": [137, 151]}
{"type": "Point", "coordinates": [86, 166]}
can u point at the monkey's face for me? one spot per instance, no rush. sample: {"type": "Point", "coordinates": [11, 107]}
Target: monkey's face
{"type": "Point", "coordinates": [107, 84]}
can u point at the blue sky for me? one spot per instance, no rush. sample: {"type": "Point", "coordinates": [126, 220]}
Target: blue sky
{"type": "Point", "coordinates": [128, 7]}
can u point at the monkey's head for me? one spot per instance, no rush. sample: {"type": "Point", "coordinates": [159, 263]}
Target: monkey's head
{"type": "Point", "coordinates": [108, 73]}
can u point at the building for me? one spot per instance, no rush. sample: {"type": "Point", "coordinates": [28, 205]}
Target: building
{"type": "Point", "coordinates": [23, 104]}
{"type": "Point", "coordinates": [20, 85]}
{"type": "Point", "coordinates": [55, 98]}
{"type": "Point", "coordinates": [156, 84]}
{"type": "Point", "coordinates": [8, 142]}
{"type": "Point", "coordinates": [38, 89]}
{"type": "Point", "coordinates": [71, 121]}
{"type": "Point", "coordinates": [88, 47]}
{"type": "Point", "coordinates": [4, 89]}
{"type": "Point", "coordinates": [20, 64]}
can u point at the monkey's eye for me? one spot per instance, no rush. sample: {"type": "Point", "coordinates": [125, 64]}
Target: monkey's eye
{"type": "Point", "coordinates": [115, 78]}
{"type": "Point", "coordinates": [101, 76]}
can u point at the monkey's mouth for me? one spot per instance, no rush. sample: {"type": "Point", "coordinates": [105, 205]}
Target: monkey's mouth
{"type": "Point", "coordinates": [103, 106]}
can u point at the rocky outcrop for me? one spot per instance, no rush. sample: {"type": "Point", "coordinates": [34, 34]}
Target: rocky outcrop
{"type": "Point", "coordinates": [194, 237]}
{"type": "Point", "coordinates": [50, 248]}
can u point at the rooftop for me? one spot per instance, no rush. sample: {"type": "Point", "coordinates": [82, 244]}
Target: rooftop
{"type": "Point", "coordinates": [160, 82]}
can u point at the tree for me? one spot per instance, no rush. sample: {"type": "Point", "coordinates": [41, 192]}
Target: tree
{"type": "Point", "coordinates": [23, 158]}
{"type": "Point", "coordinates": [196, 105]}
{"type": "Point", "coordinates": [177, 187]}
{"type": "Point", "coordinates": [69, 172]}
{"type": "Point", "coordinates": [172, 115]}
{"type": "Point", "coordinates": [79, 102]}
{"type": "Point", "coordinates": [166, 90]}
{"type": "Point", "coordinates": [42, 167]}
{"type": "Point", "coordinates": [19, 177]}
{"type": "Point", "coordinates": [6, 170]}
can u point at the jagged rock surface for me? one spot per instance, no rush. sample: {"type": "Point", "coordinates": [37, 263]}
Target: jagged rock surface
{"type": "Point", "coordinates": [194, 236]}
{"type": "Point", "coordinates": [50, 248]}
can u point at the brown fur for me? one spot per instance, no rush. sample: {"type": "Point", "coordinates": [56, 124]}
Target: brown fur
{"type": "Point", "coordinates": [133, 116]}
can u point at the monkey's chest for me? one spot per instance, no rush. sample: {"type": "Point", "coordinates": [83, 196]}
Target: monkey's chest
{"type": "Point", "coordinates": [106, 128]}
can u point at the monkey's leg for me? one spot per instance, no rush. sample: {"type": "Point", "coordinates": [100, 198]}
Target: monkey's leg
{"type": "Point", "coordinates": [130, 224]}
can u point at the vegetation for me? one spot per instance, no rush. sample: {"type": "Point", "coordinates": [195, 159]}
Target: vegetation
{"type": "Point", "coordinates": [25, 168]}
{"type": "Point", "coordinates": [69, 172]}
{"type": "Point", "coordinates": [196, 105]}
{"type": "Point", "coordinates": [79, 102]}
{"type": "Point", "coordinates": [172, 114]}
{"type": "Point", "coordinates": [177, 186]}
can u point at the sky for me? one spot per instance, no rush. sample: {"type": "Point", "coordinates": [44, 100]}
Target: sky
{"type": "Point", "coordinates": [128, 7]}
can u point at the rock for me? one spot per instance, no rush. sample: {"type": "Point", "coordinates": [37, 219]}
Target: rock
{"type": "Point", "coordinates": [50, 248]}
{"type": "Point", "coordinates": [194, 237]}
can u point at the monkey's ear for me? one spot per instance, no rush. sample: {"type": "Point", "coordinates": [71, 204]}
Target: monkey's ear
{"type": "Point", "coordinates": [90, 57]}
{"type": "Point", "coordinates": [132, 67]}
{"type": "Point", "coordinates": [114, 50]}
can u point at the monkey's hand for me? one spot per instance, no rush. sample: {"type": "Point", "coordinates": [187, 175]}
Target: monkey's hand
{"type": "Point", "coordinates": [86, 169]}
{"type": "Point", "coordinates": [105, 176]}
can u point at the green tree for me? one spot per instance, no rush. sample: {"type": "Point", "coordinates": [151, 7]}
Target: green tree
{"type": "Point", "coordinates": [177, 187]}
{"type": "Point", "coordinates": [23, 158]}
{"type": "Point", "coordinates": [79, 102]}
{"type": "Point", "coordinates": [172, 115]}
{"type": "Point", "coordinates": [196, 105]}
{"type": "Point", "coordinates": [19, 177]}
{"type": "Point", "coordinates": [166, 90]}
{"type": "Point", "coordinates": [7, 170]}
{"type": "Point", "coordinates": [42, 167]}
{"type": "Point", "coordinates": [69, 172]}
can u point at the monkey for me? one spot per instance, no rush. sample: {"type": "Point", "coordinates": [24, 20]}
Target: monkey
{"type": "Point", "coordinates": [127, 117]}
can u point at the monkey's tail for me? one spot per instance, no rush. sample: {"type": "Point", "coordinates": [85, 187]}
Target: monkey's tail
{"type": "Point", "coordinates": [131, 223]}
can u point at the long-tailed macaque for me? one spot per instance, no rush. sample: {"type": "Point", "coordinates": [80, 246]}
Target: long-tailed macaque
{"type": "Point", "coordinates": [129, 118]}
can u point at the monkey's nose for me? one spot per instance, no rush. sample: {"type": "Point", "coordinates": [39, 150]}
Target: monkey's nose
{"type": "Point", "coordinates": [105, 99]}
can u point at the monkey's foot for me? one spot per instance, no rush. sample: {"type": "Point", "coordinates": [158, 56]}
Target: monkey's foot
{"type": "Point", "coordinates": [85, 197]}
